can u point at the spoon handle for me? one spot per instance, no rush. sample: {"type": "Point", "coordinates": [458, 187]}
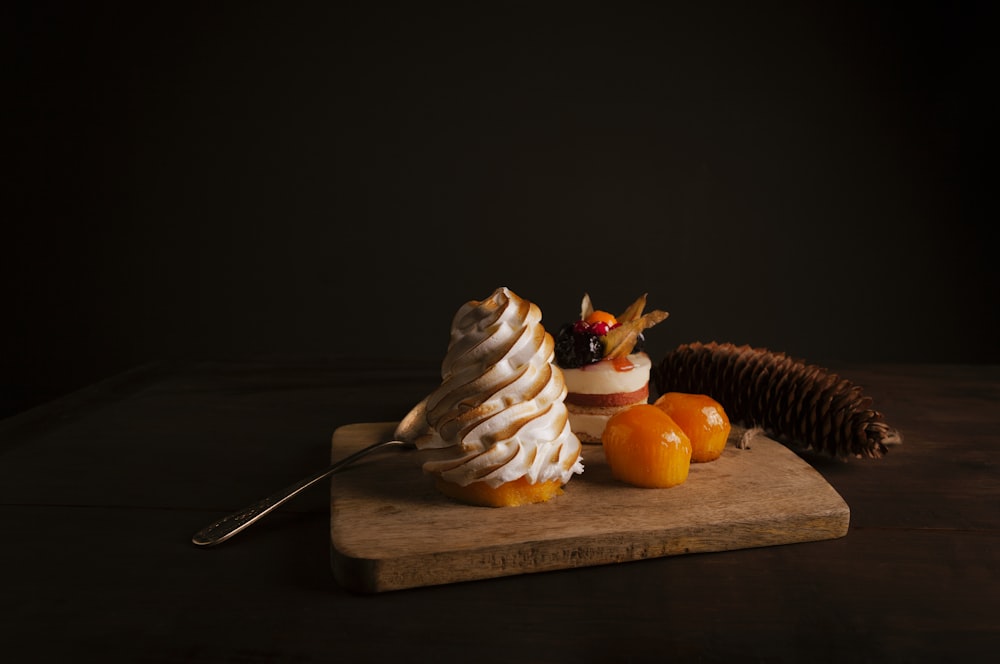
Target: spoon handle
{"type": "Point", "coordinates": [228, 526]}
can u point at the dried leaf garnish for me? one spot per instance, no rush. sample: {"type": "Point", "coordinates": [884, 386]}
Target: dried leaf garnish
{"type": "Point", "coordinates": [634, 310]}
{"type": "Point", "coordinates": [621, 340]}
{"type": "Point", "coordinates": [586, 307]}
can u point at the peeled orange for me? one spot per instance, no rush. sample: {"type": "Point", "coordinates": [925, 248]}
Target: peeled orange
{"type": "Point", "coordinates": [702, 418]}
{"type": "Point", "coordinates": [646, 448]}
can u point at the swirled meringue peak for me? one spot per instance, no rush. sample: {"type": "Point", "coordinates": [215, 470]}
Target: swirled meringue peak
{"type": "Point", "coordinates": [500, 402]}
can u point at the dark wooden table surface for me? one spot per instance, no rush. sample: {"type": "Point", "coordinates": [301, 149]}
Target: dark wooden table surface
{"type": "Point", "coordinates": [100, 493]}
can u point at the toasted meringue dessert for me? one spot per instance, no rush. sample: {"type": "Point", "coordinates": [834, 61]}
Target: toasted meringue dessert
{"type": "Point", "coordinates": [603, 364]}
{"type": "Point", "coordinates": [501, 408]}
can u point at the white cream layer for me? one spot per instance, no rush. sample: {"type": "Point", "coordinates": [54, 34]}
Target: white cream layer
{"type": "Point", "coordinates": [603, 378]}
{"type": "Point", "coordinates": [585, 424]}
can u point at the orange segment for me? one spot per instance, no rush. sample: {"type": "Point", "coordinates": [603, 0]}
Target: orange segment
{"type": "Point", "coordinates": [646, 448]}
{"type": "Point", "coordinates": [703, 420]}
{"type": "Point", "coordinates": [509, 494]}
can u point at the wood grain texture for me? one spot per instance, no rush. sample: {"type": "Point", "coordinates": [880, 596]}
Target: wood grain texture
{"type": "Point", "coordinates": [391, 529]}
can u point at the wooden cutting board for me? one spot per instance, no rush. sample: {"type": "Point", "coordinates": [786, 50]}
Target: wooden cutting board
{"type": "Point", "coordinates": [391, 529]}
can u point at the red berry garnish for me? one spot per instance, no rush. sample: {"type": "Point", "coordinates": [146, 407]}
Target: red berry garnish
{"type": "Point", "coordinates": [600, 328]}
{"type": "Point", "coordinates": [581, 326]}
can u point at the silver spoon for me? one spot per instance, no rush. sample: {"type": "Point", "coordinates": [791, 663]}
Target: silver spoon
{"type": "Point", "coordinates": [236, 522]}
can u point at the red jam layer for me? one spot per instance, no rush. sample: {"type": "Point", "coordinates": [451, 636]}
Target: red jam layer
{"type": "Point", "coordinates": [605, 400]}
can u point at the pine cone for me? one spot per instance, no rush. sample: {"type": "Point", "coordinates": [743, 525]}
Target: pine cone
{"type": "Point", "coordinates": [795, 402]}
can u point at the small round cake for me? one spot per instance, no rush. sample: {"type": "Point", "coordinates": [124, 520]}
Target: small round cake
{"type": "Point", "coordinates": [603, 363]}
{"type": "Point", "coordinates": [600, 389]}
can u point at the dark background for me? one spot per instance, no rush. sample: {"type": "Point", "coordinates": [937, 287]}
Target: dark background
{"type": "Point", "coordinates": [198, 180]}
